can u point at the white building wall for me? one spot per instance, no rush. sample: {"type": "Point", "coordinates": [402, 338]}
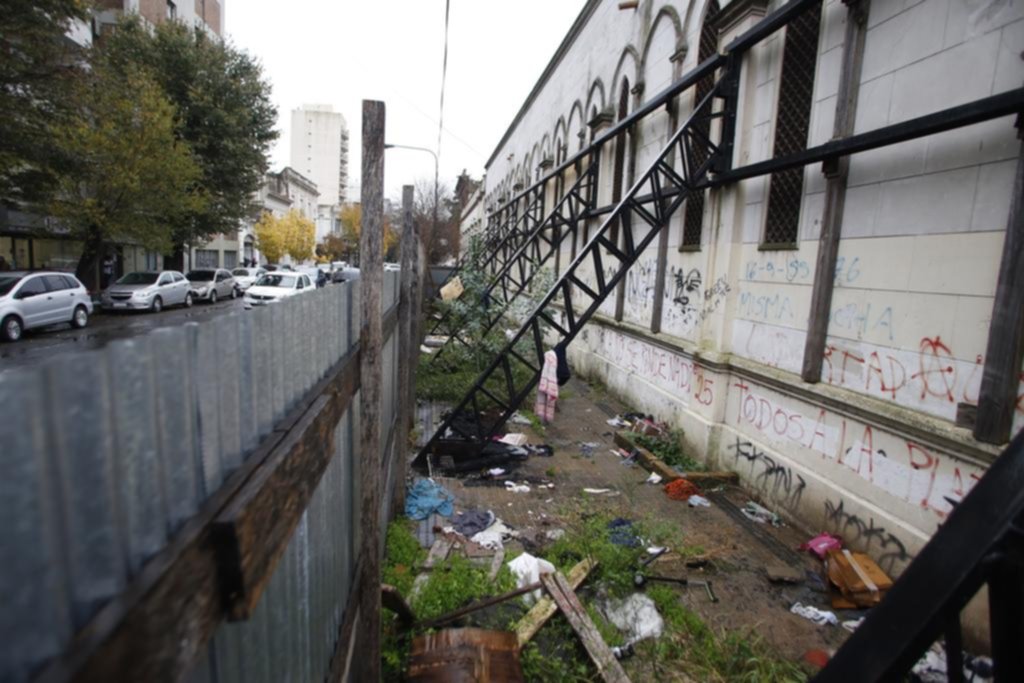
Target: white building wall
{"type": "Point", "coordinates": [316, 143]}
{"type": "Point", "coordinates": [874, 445]}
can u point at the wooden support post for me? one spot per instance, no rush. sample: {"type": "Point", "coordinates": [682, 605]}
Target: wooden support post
{"type": "Point", "coordinates": [408, 346]}
{"type": "Point", "coordinates": [997, 400]}
{"type": "Point", "coordinates": [835, 192]}
{"type": "Point", "coordinates": [371, 266]}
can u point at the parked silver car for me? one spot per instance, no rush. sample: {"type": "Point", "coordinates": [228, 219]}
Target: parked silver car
{"type": "Point", "coordinates": [38, 299]}
{"type": "Point", "coordinates": [212, 284]}
{"type": "Point", "coordinates": [245, 277]}
{"type": "Point", "coordinates": [147, 291]}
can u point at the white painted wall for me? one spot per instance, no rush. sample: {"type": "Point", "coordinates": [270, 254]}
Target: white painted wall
{"type": "Point", "coordinates": [316, 147]}
{"type": "Point", "coordinates": [872, 450]}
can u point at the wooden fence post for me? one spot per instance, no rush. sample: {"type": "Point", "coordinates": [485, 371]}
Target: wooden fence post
{"type": "Point", "coordinates": [408, 345]}
{"type": "Point", "coordinates": [371, 266]}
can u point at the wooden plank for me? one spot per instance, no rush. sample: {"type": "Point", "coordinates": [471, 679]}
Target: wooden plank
{"type": "Point", "coordinates": [407, 353]}
{"type": "Point", "coordinates": [997, 400]}
{"type": "Point", "coordinates": [393, 600]}
{"type": "Point", "coordinates": [371, 265]}
{"type": "Point", "coordinates": [253, 531]}
{"type": "Point", "coordinates": [577, 616]}
{"type": "Point", "coordinates": [438, 553]}
{"type": "Point", "coordinates": [499, 559]}
{"type": "Point", "coordinates": [545, 608]}
{"type": "Point", "coordinates": [653, 463]}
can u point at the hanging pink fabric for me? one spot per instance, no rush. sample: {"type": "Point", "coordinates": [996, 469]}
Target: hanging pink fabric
{"type": "Point", "coordinates": [547, 390]}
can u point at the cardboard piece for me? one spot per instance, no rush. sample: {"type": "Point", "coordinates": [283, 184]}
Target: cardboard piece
{"type": "Point", "coordinates": [453, 290]}
{"type": "Point", "coordinates": [858, 579]}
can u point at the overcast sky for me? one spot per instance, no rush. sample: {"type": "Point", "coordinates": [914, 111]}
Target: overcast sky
{"type": "Point", "coordinates": [340, 52]}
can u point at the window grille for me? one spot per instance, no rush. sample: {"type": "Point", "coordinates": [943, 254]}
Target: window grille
{"type": "Point", "coordinates": [693, 216]}
{"type": "Point", "coordinates": [793, 118]}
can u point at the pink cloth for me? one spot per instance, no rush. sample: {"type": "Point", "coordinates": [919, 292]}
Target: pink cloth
{"type": "Point", "coordinates": [547, 389]}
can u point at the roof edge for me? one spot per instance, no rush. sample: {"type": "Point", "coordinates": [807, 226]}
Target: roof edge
{"type": "Point", "coordinates": [570, 38]}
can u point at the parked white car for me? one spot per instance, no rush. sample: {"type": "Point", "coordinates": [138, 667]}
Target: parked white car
{"type": "Point", "coordinates": [277, 286]}
{"type": "Point", "coordinates": [37, 299]}
{"type": "Point", "coordinates": [147, 291]}
{"type": "Point", "coordinates": [212, 284]}
{"type": "Point", "coordinates": [246, 277]}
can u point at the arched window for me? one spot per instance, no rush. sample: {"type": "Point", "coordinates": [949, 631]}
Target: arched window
{"type": "Point", "coordinates": [792, 122]}
{"type": "Point", "coordinates": [693, 217]}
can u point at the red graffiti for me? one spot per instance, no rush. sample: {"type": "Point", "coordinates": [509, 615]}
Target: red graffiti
{"type": "Point", "coordinates": [937, 374]}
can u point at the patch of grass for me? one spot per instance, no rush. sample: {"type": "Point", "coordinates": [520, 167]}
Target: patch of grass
{"type": "Point", "coordinates": [403, 555]}
{"type": "Point", "coordinates": [539, 428]}
{"type": "Point", "coordinates": [550, 472]}
{"type": "Point", "coordinates": [592, 539]}
{"type": "Point", "coordinates": [455, 584]}
{"type": "Point", "coordinates": [555, 654]}
{"type": "Point", "coordinates": [668, 448]}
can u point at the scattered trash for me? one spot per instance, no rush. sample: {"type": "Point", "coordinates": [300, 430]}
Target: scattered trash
{"type": "Point", "coordinates": [818, 658]}
{"type": "Point", "coordinates": [681, 489]}
{"type": "Point", "coordinates": [622, 533]}
{"type": "Point", "coordinates": [587, 448]}
{"type": "Point", "coordinates": [496, 471]}
{"type": "Point", "coordinates": [818, 616]}
{"type": "Point", "coordinates": [623, 651]}
{"type": "Point", "coordinates": [761, 515]}
{"type": "Point", "coordinates": [527, 570]}
{"type": "Point", "coordinates": [655, 478]}
{"type": "Point", "coordinates": [542, 450]}
{"type": "Point", "coordinates": [617, 422]}
{"type": "Point", "coordinates": [640, 579]}
{"type": "Point", "coordinates": [699, 501]}
{"type": "Point", "coordinates": [514, 439]}
{"type": "Point", "coordinates": [554, 534]}
{"type": "Point", "coordinates": [518, 419]}
{"type": "Point", "coordinates": [821, 544]}
{"type": "Point", "coordinates": [494, 536]}
{"type": "Point", "coordinates": [597, 491]}
{"type": "Point", "coordinates": [471, 522]}
{"type": "Point", "coordinates": [783, 573]}
{"type": "Point", "coordinates": [654, 551]}
{"type": "Point", "coordinates": [859, 581]}
{"type": "Point", "coordinates": [516, 488]}
{"type": "Point", "coordinates": [427, 497]}
{"type": "Point", "coordinates": [852, 624]}
{"type": "Point", "coordinates": [453, 290]}
{"type": "Point", "coordinates": [426, 349]}
{"type": "Point", "coordinates": [932, 667]}
{"type": "Point", "coordinates": [636, 616]}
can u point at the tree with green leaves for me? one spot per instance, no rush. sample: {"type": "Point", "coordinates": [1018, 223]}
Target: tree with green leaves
{"type": "Point", "coordinates": [130, 174]}
{"type": "Point", "coordinates": [38, 68]}
{"type": "Point", "coordinates": [224, 111]}
{"type": "Point", "coordinates": [291, 234]}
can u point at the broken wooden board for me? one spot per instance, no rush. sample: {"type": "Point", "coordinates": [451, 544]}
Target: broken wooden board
{"type": "Point", "coordinates": [465, 654]}
{"type": "Point", "coordinates": [545, 608]}
{"type": "Point", "coordinates": [653, 463]}
{"type": "Point", "coordinates": [565, 597]}
{"type": "Point", "coordinates": [438, 553]}
{"type": "Point", "coordinates": [392, 600]}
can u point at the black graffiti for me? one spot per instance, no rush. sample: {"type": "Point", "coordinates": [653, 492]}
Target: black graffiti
{"type": "Point", "coordinates": [685, 286]}
{"type": "Point", "coordinates": [867, 535]}
{"type": "Point", "coordinates": [776, 481]}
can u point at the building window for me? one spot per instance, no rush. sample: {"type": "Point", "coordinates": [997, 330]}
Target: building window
{"type": "Point", "coordinates": [152, 260]}
{"type": "Point", "coordinates": [207, 258]}
{"type": "Point", "coordinates": [230, 259]}
{"type": "Point", "coordinates": [693, 216]}
{"type": "Point", "coordinates": [792, 122]}
{"type": "Point", "coordinates": [172, 10]}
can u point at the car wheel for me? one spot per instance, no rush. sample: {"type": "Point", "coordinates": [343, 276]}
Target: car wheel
{"type": "Point", "coordinates": [157, 305]}
{"type": "Point", "coordinates": [11, 329]}
{"type": "Point", "coordinates": [80, 318]}
{"type": "Point", "coordinates": [188, 300]}
{"type": "Point", "coordinates": [213, 296]}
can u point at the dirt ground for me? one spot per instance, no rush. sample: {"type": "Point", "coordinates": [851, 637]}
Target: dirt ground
{"type": "Point", "coordinates": [739, 549]}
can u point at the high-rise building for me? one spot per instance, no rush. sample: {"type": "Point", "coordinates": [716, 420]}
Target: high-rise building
{"type": "Point", "coordinates": [202, 13]}
{"type": "Point", "coordinates": [320, 150]}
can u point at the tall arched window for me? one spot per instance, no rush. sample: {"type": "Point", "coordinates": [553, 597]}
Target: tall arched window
{"type": "Point", "coordinates": [693, 217]}
{"type": "Point", "coordinates": [792, 123]}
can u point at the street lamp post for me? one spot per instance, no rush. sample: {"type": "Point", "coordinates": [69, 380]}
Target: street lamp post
{"type": "Point", "coordinates": [433, 232]}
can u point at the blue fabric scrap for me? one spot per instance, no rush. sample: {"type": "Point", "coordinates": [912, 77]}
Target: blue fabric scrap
{"type": "Point", "coordinates": [425, 498]}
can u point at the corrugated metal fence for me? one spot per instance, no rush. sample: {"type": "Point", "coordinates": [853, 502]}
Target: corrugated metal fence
{"type": "Point", "coordinates": [106, 455]}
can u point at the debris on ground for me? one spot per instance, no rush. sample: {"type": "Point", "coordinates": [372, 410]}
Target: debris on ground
{"type": "Point", "coordinates": [783, 573]}
{"type": "Point", "coordinates": [636, 616]}
{"type": "Point", "coordinates": [471, 522]}
{"type": "Point", "coordinates": [859, 582]}
{"type": "Point", "coordinates": [427, 497]}
{"type": "Point", "coordinates": [518, 419]}
{"type": "Point", "coordinates": [459, 654]}
{"type": "Point", "coordinates": [699, 501]}
{"type": "Point", "coordinates": [621, 533]}
{"type": "Point", "coordinates": [516, 488]}
{"type": "Point", "coordinates": [545, 608]}
{"type": "Point", "coordinates": [542, 450]}
{"type": "Point", "coordinates": [932, 667]}
{"type": "Point", "coordinates": [818, 658]}
{"type": "Point", "coordinates": [821, 544]}
{"type": "Point", "coordinates": [818, 616]}
{"type": "Point", "coordinates": [527, 570]}
{"type": "Point", "coordinates": [596, 492]}
{"type": "Point", "coordinates": [514, 439]}
{"type": "Point", "coordinates": [587, 448]}
{"type": "Point", "coordinates": [761, 515]}
{"type": "Point", "coordinates": [496, 471]}
{"type": "Point", "coordinates": [852, 624]}
{"type": "Point", "coordinates": [681, 489]}
{"type": "Point", "coordinates": [494, 536]}
{"type": "Point", "coordinates": [655, 478]}
{"type": "Point", "coordinates": [617, 422]}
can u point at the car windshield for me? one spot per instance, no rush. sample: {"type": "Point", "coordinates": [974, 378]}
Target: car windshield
{"type": "Point", "coordinates": [7, 283]}
{"type": "Point", "coordinates": [241, 272]}
{"type": "Point", "coordinates": [138, 279]}
{"type": "Point", "coordinates": [277, 280]}
{"type": "Point", "coordinates": [200, 275]}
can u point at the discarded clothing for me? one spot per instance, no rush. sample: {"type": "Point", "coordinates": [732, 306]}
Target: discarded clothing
{"type": "Point", "coordinates": [547, 389]}
{"type": "Point", "coordinates": [699, 501]}
{"type": "Point", "coordinates": [527, 570]}
{"type": "Point", "coordinates": [821, 544]}
{"type": "Point", "coordinates": [471, 522]}
{"type": "Point", "coordinates": [516, 488]}
{"type": "Point", "coordinates": [636, 616]}
{"type": "Point", "coordinates": [542, 450]}
{"type": "Point", "coordinates": [562, 372]}
{"type": "Point", "coordinates": [617, 422]}
{"type": "Point", "coordinates": [518, 419]}
{"type": "Point", "coordinates": [425, 498]}
{"type": "Point", "coordinates": [655, 478]}
{"type": "Point", "coordinates": [621, 533]}
{"type": "Point", "coordinates": [494, 536]}
{"type": "Point", "coordinates": [681, 489]}
{"type": "Point", "coordinates": [756, 513]}
{"type": "Point", "coordinates": [587, 448]}
{"type": "Point", "coordinates": [818, 616]}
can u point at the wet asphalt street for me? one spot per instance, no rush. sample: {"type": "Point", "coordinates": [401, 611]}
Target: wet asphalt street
{"type": "Point", "coordinates": [38, 345]}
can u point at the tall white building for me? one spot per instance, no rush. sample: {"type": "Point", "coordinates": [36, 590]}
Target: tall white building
{"type": "Point", "coordinates": [320, 150]}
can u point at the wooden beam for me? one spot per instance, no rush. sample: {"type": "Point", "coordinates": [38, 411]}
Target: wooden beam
{"type": "Point", "coordinates": [545, 608]}
{"type": "Point", "coordinates": [408, 347]}
{"type": "Point", "coordinates": [653, 463]}
{"type": "Point", "coordinates": [565, 597]}
{"type": "Point", "coordinates": [371, 265]}
{"type": "Point", "coordinates": [835, 193]}
{"type": "Point", "coordinates": [997, 400]}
